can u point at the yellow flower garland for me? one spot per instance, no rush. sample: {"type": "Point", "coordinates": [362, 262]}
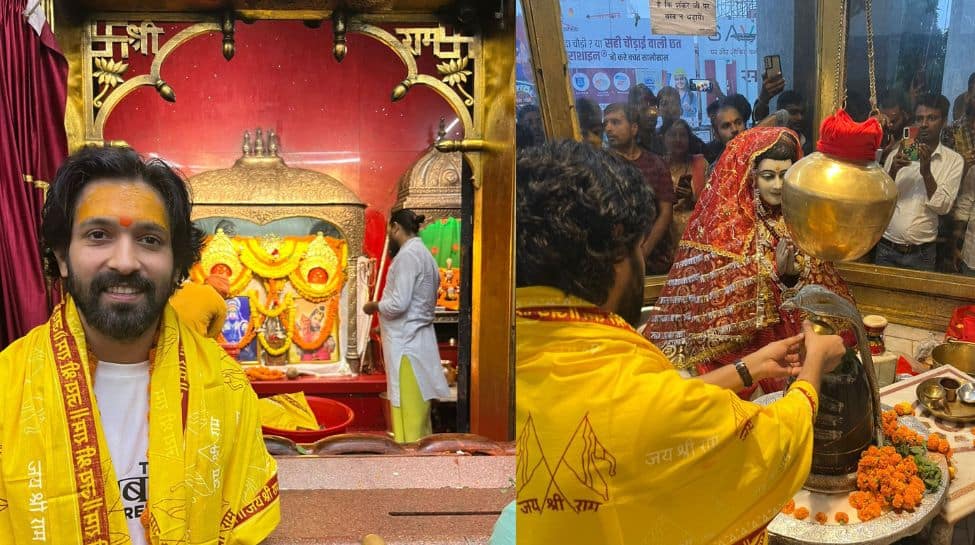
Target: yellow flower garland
{"type": "Point", "coordinates": [270, 313]}
{"type": "Point", "coordinates": [256, 258]}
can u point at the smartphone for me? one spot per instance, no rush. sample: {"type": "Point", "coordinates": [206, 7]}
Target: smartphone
{"type": "Point", "coordinates": [702, 85]}
{"type": "Point", "coordinates": [910, 142]}
{"type": "Point", "coordinates": [773, 66]}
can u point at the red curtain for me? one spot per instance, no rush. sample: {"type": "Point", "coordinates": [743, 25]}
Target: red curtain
{"type": "Point", "coordinates": [33, 87]}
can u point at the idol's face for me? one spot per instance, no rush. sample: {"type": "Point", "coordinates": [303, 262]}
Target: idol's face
{"type": "Point", "coordinates": [769, 177]}
{"type": "Point", "coordinates": [680, 82]}
{"type": "Point", "coordinates": [119, 263]}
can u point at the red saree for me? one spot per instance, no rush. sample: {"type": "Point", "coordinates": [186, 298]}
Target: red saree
{"type": "Point", "coordinates": [722, 296]}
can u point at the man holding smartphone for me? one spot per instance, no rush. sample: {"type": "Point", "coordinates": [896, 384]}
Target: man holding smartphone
{"type": "Point", "coordinates": [926, 190]}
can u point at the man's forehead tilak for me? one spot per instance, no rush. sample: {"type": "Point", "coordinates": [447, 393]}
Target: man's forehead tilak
{"type": "Point", "coordinates": [127, 202]}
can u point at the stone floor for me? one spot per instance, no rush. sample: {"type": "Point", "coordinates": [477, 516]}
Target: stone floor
{"type": "Point", "coordinates": [425, 500]}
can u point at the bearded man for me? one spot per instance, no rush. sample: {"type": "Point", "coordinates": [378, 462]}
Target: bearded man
{"type": "Point", "coordinates": [83, 460]}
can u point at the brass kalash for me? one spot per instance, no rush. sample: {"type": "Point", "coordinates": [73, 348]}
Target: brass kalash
{"type": "Point", "coordinates": [837, 210]}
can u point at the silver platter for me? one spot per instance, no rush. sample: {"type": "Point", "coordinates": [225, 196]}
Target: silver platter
{"type": "Point", "coordinates": [786, 529]}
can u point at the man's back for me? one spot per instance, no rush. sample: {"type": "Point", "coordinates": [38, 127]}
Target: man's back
{"type": "Point", "coordinates": [614, 447]}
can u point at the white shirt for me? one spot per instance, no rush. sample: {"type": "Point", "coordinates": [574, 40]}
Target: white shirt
{"type": "Point", "coordinates": [915, 218]}
{"type": "Point", "coordinates": [122, 394]}
{"type": "Point", "coordinates": [965, 211]}
{"type": "Point", "coordinates": [406, 313]}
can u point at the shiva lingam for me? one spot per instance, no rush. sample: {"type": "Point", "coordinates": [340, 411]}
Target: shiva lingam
{"type": "Point", "coordinates": [849, 399]}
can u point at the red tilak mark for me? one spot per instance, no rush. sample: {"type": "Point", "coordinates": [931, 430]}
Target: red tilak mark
{"type": "Point", "coordinates": [125, 221]}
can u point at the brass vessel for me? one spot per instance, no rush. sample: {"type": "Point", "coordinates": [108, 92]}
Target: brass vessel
{"type": "Point", "coordinates": [835, 209]}
{"type": "Point", "coordinates": [959, 354]}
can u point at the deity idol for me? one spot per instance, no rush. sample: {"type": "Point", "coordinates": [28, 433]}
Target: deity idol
{"type": "Point", "coordinates": [736, 263]}
{"type": "Point", "coordinates": [448, 294]}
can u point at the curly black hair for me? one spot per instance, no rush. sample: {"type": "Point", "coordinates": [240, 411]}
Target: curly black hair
{"type": "Point", "coordinates": [94, 163]}
{"type": "Point", "coordinates": [579, 212]}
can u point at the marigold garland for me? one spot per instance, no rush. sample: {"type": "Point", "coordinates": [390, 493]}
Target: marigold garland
{"type": "Point", "coordinates": [330, 314]}
{"type": "Point", "coordinates": [272, 312]}
{"type": "Point", "coordinates": [256, 258]}
{"type": "Point", "coordinates": [885, 479]}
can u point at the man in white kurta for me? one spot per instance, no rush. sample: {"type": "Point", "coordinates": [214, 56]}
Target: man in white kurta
{"type": "Point", "coordinates": [406, 313]}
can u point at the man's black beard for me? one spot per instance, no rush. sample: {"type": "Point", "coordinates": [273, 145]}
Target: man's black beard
{"type": "Point", "coordinates": [121, 322]}
{"type": "Point", "coordinates": [393, 248]}
{"type": "Point", "coordinates": [631, 303]}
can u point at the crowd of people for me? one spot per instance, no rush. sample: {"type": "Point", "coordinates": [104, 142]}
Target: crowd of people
{"type": "Point", "coordinates": [928, 148]}
{"type": "Point", "coordinates": [643, 194]}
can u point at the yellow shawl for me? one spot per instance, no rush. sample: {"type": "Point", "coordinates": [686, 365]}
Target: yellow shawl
{"type": "Point", "coordinates": [211, 480]}
{"type": "Point", "coordinates": [614, 447]}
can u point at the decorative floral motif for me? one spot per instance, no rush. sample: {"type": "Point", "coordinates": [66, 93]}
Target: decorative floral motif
{"type": "Point", "coordinates": [455, 73]}
{"type": "Point", "coordinates": [108, 72]}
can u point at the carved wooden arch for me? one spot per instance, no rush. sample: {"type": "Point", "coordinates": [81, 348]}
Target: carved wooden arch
{"type": "Point", "coordinates": [453, 69]}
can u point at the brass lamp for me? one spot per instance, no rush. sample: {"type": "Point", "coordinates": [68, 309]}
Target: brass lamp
{"type": "Point", "coordinates": [837, 205]}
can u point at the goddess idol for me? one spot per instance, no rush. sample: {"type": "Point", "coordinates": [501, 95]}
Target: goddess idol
{"type": "Point", "coordinates": [736, 263]}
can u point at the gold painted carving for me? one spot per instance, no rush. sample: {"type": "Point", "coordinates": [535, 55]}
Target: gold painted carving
{"type": "Point", "coordinates": [455, 74]}
{"type": "Point", "coordinates": [140, 37]}
{"type": "Point", "coordinates": [417, 37]}
{"type": "Point", "coordinates": [456, 81]}
{"type": "Point", "coordinates": [444, 46]}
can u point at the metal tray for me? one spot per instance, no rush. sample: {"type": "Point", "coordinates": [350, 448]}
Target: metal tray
{"type": "Point", "coordinates": [952, 411]}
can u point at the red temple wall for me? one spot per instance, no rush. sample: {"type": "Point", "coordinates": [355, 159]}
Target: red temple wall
{"type": "Point", "coordinates": [331, 117]}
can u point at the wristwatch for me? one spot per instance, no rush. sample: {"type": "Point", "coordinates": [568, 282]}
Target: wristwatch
{"type": "Point", "coordinates": [742, 369]}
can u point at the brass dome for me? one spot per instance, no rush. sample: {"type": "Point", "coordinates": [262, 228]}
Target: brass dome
{"type": "Point", "coordinates": [431, 186]}
{"type": "Point", "coordinates": [260, 176]}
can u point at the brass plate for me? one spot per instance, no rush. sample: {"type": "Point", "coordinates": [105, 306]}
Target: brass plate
{"type": "Point", "coordinates": [956, 410]}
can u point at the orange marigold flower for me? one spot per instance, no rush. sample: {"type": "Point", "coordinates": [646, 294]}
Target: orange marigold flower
{"type": "Point", "coordinates": [790, 506]}
{"type": "Point", "coordinates": [904, 408]}
{"type": "Point", "coordinates": [841, 517]}
{"type": "Point", "coordinates": [821, 517]}
{"type": "Point", "coordinates": [801, 513]}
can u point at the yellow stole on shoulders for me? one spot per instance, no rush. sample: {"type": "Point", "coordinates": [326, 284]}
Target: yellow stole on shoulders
{"type": "Point", "coordinates": [211, 480]}
{"type": "Point", "coordinates": [614, 447]}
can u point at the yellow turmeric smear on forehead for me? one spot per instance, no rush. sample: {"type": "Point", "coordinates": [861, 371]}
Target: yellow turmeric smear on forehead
{"type": "Point", "coordinates": [128, 203]}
